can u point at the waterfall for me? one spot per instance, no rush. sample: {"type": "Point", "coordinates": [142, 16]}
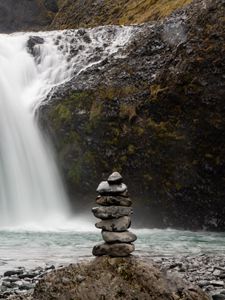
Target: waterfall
{"type": "Point", "coordinates": [31, 190]}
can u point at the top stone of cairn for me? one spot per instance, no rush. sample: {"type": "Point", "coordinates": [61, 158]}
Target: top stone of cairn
{"type": "Point", "coordinates": [115, 178]}
{"type": "Point", "coordinates": [112, 186]}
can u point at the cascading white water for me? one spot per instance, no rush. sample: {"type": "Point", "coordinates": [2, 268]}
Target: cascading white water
{"type": "Point", "coordinates": [31, 191]}
{"type": "Point", "coordinates": [30, 188]}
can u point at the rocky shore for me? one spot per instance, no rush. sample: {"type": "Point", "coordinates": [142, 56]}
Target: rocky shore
{"type": "Point", "coordinates": [205, 271]}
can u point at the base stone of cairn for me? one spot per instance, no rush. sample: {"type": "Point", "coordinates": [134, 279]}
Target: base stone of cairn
{"type": "Point", "coordinates": [115, 213]}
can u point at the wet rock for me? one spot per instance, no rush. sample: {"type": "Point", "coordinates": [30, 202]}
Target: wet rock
{"type": "Point", "coordinates": [218, 297]}
{"type": "Point", "coordinates": [217, 283]}
{"type": "Point", "coordinates": [28, 275]}
{"type": "Point", "coordinates": [120, 224]}
{"type": "Point", "coordinates": [80, 278]}
{"type": "Point", "coordinates": [13, 272]}
{"type": "Point", "coordinates": [105, 188]}
{"type": "Point", "coordinates": [217, 272]}
{"type": "Point", "coordinates": [111, 212]}
{"type": "Point", "coordinates": [115, 178]}
{"type": "Point", "coordinates": [32, 42]}
{"type": "Point", "coordinates": [113, 200]}
{"type": "Point", "coordinates": [118, 237]}
{"type": "Point", "coordinates": [114, 250]}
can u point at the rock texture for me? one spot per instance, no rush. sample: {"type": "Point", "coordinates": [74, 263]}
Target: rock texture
{"type": "Point", "coordinates": [157, 115]}
{"type": "Point", "coordinates": [111, 212]}
{"type": "Point", "coordinates": [120, 224]}
{"type": "Point", "coordinates": [114, 278]}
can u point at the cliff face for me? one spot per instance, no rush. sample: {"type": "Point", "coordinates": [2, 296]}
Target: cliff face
{"type": "Point", "coordinates": [157, 116]}
{"type": "Point", "coordinates": [26, 15]}
{"type": "Point", "coordinates": [33, 15]}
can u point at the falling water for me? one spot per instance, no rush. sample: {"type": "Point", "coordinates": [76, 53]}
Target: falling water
{"type": "Point", "coordinates": [31, 191]}
{"type": "Point", "coordinates": [30, 188]}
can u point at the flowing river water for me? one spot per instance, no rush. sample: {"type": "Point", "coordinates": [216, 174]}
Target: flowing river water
{"type": "Point", "coordinates": [36, 248]}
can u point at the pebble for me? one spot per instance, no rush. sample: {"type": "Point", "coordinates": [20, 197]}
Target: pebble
{"type": "Point", "coordinates": [218, 297]}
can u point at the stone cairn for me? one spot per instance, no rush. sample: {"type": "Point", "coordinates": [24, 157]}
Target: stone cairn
{"type": "Point", "coordinates": [115, 213]}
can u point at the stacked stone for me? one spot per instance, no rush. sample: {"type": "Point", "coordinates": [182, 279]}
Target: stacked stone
{"type": "Point", "coordinates": [115, 213]}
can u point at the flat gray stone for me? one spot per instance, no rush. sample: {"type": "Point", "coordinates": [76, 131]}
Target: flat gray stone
{"type": "Point", "coordinates": [113, 200]}
{"type": "Point", "coordinates": [105, 188]}
{"type": "Point", "coordinates": [118, 225]}
{"type": "Point", "coordinates": [114, 250]}
{"type": "Point", "coordinates": [115, 178]}
{"type": "Point", "coordinates": [118, 237]}
{"type": "Point", "coordinates": [111, 212]}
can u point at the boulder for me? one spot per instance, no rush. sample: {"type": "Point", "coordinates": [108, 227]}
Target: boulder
{"type": "Point", "coordinates": [105, 188]}
{"type": "Point", "coordinates": [113, 250]}
{"type": "Point", "coordinates": [120, 224]}
{"type": "Point", "coordinates": [113, 200]}
{"type": "Point", "coordinates": [118, 237]}
{"type": "Point", "coordinates": [115, 278]}
{"type": "Point", "coordinates": [111, 212]}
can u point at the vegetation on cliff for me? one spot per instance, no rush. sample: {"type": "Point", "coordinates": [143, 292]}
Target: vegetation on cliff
{"type": "Point", "coordinates": [122, 12]}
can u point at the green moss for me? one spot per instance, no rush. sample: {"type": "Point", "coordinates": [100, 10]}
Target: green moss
{"type": "Point", "coordinates": [96, 110]}
{"type": "Point", "coordinates": [63, 113]}
{"type": "Point", "coordinates": [131, 149]}
{"type": "Point", "coordinates": [74, 173]}
{"type": "Point", "coordinates": [127, 111]}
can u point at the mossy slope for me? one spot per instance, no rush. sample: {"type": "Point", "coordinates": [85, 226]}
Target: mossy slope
{"type": "Point", "coordinates": [91, 13]}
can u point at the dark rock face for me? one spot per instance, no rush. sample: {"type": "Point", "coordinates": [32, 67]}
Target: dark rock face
{"type": "Point", "coordinates": [114, 278]}
{"type": "Point", "coordinates": [25, 15]}
{"type": "Point", "coordinates": [51, 5]}
{"type": "Point", "coordinates": [157, 116]}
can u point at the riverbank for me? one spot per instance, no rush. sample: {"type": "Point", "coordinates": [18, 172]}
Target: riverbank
{"type": "Point", "coordinates": [204, 271]}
